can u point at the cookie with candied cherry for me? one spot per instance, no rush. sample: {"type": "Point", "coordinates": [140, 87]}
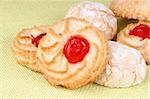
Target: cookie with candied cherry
{"type": "Point", "coordinates": [137, 35]}
{"type": "Point", "coordinates": [72, 54]}
{"type": "Point", "coordinates": [25, 46]}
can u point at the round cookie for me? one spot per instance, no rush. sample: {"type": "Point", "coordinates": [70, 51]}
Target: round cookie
{"type": "Point", "coordinates": [98, 15]}
{"type": "Point", "coordinates": [64, 53]}
{"type": "Point", "coordinates": [125, 68]}
{"type": "Point", "coordinates": [132, 9]}
{"type": "Point", "coordinates": [25, 46]}
{"type": "Point", "coordinates": [137, 35]}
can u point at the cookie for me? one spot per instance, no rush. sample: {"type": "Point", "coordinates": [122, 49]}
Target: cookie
{"type": "Point", "coordinates": [126, 67]}
{"type": "Point", "coordinates": [98, 15]}
{"type": "Point", "coordinates": [132, 9]}
{"type": "Point", "coordinates": [72, 54]}
{"type": "Point", "coordinates": [25, 46]}
{"type": "Point", "coordinates": [137, 35]}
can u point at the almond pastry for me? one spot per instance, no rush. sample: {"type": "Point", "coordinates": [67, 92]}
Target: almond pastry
{"type": "Point", "coordinates": [25, 46]}
{"type": "Point", "coordinates": [137, 35]}
{"type": "Point", "coordinates": [72, 54]}
{"type": "Point", "coordinates": [132, 9]}
{"type": "Point", "coordinates": [126, 67]}
{"type": "Point", "coordinates": [98, 15]}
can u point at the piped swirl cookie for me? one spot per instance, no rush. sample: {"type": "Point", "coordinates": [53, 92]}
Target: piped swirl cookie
{"type": "Point", "coordinates": [72, 54]}
{"type": "Point", "coordinates": [126, 67]}
{"type": "Point", "coordinates": [25, 46]}
{"type": "Point", "coordinates": [98, 15]}
{"type": "Point", "coordinates": [137, 35]}
{"type": "Point", "coordinates": [132, 9]}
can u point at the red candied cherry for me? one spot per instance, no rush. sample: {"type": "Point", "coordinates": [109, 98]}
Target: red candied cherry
{"type": "Point", "coordinates": [36, 40]}
{"type": "Point", "coordinates": [76, 49]}
{"type": "Point", "coordinates": [142, 31]}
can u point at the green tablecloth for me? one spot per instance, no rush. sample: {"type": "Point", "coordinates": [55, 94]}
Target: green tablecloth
{"type": "Point", "coordinates": [19, 82]}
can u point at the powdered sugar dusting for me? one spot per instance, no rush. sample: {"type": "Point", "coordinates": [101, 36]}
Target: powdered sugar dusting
{"type": "Point", "coordinates": [97, 14]}
{"type": "Point", "coordinates": [126, 67]}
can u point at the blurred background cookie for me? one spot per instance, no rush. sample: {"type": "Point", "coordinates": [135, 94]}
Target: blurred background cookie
{"type": "Point", "coordinates": [98, 15]}
{"type": "Point", "coordinates": [132, 9]}
{"type": "Point", "coordinates": [137, 35]}
{"type": "Point", "coordinates": [126, 67]}
{"type": "Point", "coordinates": [25, 46]}
{"type": "Point", "coordinates": [73, 53]}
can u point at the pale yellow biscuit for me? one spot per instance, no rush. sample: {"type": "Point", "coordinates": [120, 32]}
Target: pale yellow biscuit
{"type": "Point", "coordinates": [53, 62]}
{"type": "Point", "coordinates": [23, 48]}
{"type": "Point", "coordinates": [126, 67]}
{"type": "Point", "coordinates": [134, 41]}
{"type": "Point", "coordinates": [98, 15]}
{"type": "Point", "coordinates": [132, 9]}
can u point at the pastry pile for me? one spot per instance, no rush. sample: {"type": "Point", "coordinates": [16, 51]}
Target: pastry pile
{"type": "Point", "coordinates": [78, 50]}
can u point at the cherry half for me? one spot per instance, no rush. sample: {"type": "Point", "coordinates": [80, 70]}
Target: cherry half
{"type": "Point", "coordinates": [36, 40]}
{"type": "Point", "coordinates": [76, 49]}
{"type": "Point", "coordinates": [142, 31]}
